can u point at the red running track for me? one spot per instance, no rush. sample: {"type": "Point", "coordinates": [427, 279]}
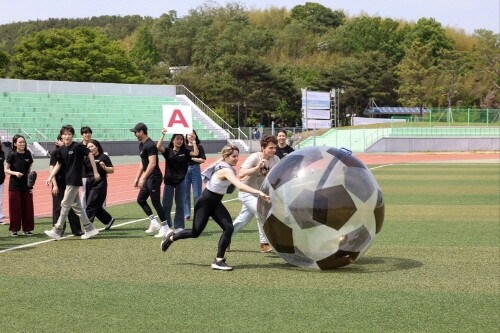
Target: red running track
{"type": "Point", "coordinates": [121, 190]}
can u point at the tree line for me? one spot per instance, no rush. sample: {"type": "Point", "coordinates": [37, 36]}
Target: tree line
{"type": "Point", "coordinates": [254, 62]}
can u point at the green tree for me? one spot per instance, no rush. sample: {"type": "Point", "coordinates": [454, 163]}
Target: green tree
{"type": "Point", "coordinates": [81, 54]}
{"type": "Point", "coordinates": [144, 53]}
{"type": "Point", "coordinates": [428, 31]}
{"type": "Point", "coordinates": [364, 34]}
{"type": "Point", "coordinates": [4, 61]}
{"type": "Point", "coordinates": [316, 17]}
{"type": "Point", "coordinates": [452, 69]}
{"type": "Point", "coordinates": [418, 76]}
{"type": "Point", "coordinates": [486, 62]}
{"type": "Point", "coordinates": [362, 77]}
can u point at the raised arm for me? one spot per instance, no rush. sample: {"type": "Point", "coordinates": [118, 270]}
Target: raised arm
{"type": "Point", "coordinates": [159, 144]}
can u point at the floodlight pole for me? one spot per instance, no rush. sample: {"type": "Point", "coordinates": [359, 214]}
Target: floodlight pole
{"type": "Point", "coordinates": [335, 94]}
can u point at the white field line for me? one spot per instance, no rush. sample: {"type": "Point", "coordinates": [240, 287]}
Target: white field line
{"type": "Point", "coordinates": [131, 222]}
{"type": "Point", "coordinates": [19, 247]}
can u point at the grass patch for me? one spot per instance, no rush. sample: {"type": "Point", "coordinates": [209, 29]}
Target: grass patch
{"type": "Point", "coordinates": [433, 268]}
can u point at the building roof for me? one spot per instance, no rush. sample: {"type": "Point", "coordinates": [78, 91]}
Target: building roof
{"type": "Point", "coordinates": [396, 110]}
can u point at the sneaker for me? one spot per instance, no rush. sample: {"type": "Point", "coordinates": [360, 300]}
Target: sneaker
{"type": "Point", "coordinates": [179, 229]}
{"type": "Point", "coordinates": [221, 265]}
{"type": "Point", "coordinates": [163, 231]}
{"type": "Point", "coordinates": [265, 248]}
{"type": "Point", "coordinates": [14, 234]}
{"type": "Point", "coordinates": [166, 242]}
{"type": "Point", "coordinates": [28, 233]}
{"type": "Point", "coordinates": [90, 233]}
{"type": "Point", "coordinates": [153, 226]}
{"type": "Point", "coordinates": [108, 226]}
{"type": "Point", "coordinates": [52, 234]}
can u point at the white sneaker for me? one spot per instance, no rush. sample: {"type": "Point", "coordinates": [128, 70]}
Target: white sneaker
{"type": "Point", "coordinates": [89, 234]}
{"type": "Point", "coordinates": [179, 229]}
{"type": "Point", "coordinates": [52, 234]}
{"type": "Point", "coordinates": [153, 226]}
{"type": "Point", "coordinates": [163, 231]}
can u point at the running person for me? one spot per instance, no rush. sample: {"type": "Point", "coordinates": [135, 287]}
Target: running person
{"type": "Point", "coordinates": [209, 205]}
{"type": "Point", "coordinates": [252, 172]}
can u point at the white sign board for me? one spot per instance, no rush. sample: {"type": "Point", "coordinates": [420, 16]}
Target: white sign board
{"type": "Point", "coordinates": [315, 99]}
{"type": "Point", "coordinates": [316, 123]}
{"type": "Point", "coordinates": [316, 114]}
{"type": "Point", "coordinates": [178, 119]}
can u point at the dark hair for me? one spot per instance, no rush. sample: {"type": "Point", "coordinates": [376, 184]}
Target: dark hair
{"type": "Point", "coordinates": [59, 138]}
{"type": "Point", "coordinates": [282, 131]}
{"type": "Point", "coordinates": [267, 139]}
{"type": "Point", "coordinates": [98, 145]}
{"type": "Point", "coordinates": [85, 129]}
{"type": "Point", "coordinates": [197, 140]}
{"type": "Point", "coordinates": [171, 144]}
{"type": "Point", "coordinates": [68, 128]}
{"type": "Point", "coordinates": [14, 140]}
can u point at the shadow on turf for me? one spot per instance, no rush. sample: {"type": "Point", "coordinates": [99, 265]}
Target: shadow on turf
{"type": "Point", "coordinates": [362, 266]}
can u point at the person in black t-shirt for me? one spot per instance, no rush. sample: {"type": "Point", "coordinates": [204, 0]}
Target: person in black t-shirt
{"type": "Point", "coordinates": [282, 149]}
{"type": "Point", "coordinates": [148, 178]}
{"type": "Point", "coordinates": [58, 189]}
{"type": "Point", "coordinates": [177, 158]}
{"type": "Point", "coordinates": [21, 211]}
{"type": "Point", "coordinates": [71, 157]}
{"type": "Point", "coordinates": [96, 192]}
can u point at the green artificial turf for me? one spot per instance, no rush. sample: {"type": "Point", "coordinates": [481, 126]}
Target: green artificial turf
{"type": "Point", "coordinates": [434, 267]}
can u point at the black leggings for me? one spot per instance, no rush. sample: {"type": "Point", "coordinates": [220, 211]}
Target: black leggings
{"type": "Point", "coordinates": [151, 188]}
{"type": "Point", "coordinates": [209, 205]}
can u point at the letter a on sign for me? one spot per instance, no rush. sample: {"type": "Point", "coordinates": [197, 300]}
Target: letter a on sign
{"type": "Point", "coordinates": [177, 119]}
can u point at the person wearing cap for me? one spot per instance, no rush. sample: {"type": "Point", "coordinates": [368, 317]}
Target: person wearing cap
{"type": "Point", "coordinates": [148, 178]}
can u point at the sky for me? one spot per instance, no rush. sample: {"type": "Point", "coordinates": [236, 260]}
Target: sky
{"type": "Point", "coordinates": [462, 14]}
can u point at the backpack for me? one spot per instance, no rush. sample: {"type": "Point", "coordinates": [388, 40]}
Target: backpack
{"type": "Point", "coordinates": [207, 174]}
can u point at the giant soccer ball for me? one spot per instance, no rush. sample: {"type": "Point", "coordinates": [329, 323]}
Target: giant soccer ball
{"type": "Point", "coordinates": [326, 208]}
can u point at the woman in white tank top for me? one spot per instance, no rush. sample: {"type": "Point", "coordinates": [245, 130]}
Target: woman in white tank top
{"type": "Point", "coordinates": [209, 205]}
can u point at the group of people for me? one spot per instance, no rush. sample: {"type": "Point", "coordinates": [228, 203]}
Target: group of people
{"type": "Point", "coordinates": [75, 165]}
{"type": "Point", "coordinates": [221, 175]}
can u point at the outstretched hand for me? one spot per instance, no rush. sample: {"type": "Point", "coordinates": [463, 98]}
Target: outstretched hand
{"type": "Point", "coordinates": [265, 197]}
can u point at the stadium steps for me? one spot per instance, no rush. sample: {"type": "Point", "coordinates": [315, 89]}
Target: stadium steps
{"type": "Point", "coordinates": [42, 115]}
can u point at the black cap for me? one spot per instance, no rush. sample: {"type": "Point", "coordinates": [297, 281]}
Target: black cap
{"type": "Point", "coordinates": [139, 127]}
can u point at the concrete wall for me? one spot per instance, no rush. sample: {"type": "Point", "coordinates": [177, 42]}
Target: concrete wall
{"type": "Point", "coordinates": [419, 144]}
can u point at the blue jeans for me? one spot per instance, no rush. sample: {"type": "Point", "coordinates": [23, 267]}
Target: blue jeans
{"type": "Point", "coordinates": [179, 191]}
{"type": "Point", "coordinates": [193, 177]}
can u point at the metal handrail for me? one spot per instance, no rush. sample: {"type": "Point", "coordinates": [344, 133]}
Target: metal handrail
{"type": "Point", "coordinates": [182, 90]}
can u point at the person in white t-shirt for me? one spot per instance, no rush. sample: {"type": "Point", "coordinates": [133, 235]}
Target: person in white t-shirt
{"type": "Point", "coordinates": [252, 173]}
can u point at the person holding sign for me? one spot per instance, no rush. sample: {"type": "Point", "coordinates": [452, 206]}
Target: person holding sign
{"type": "Point", "coordinates": [177, 158]}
